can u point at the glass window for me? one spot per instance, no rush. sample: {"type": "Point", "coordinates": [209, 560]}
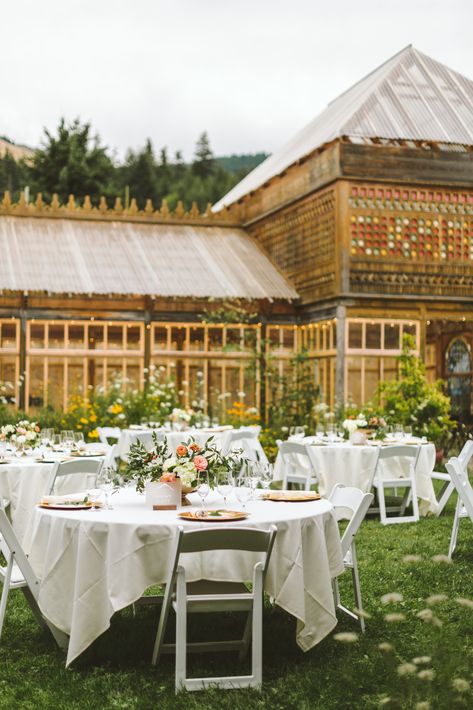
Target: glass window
{"type": "Point", "coordinates": [233, 338]}
{"type": "Point", "coordinates": [410, 329]}
{"type": "Point", "coordinates": [115, 337]}
{"type": "Point", "coordinates": [178, 338]}
{"type": "Point", "coordinates": [355, 335]}
{"type": "Point", "coordinates": [133, 337]}
{"type": "Point", "coordinates": [56, 336]}
{"type": "Point", "coordinates": [160, 337]}
{"type": "Point", "coordinates": [288, 338]}
{"type": "Point", "coordinates": [96, 337]}
{"type": "Point", "coordinates": [391, 336]}
{"type": "Point", "coordinates": [273, 337]}
{"type": "Point", "coordinates": [76, 337]}
{"type": "Point", "coordinates": [8, 378]}
{"type": "Point", "coordinates": [55, 381]}
{"type": "Point", "coordinates": [36, 382]}
{"type": "Point", "coordinates": [197, 338]}
{"type": "Point", "coordinates": [215, 338]}
{"type": "Point", "coordinates": [8, 336]}
{"type": "Point", "coordinates": [373, 336]}
{"type": "Point", "coordinates": [37, 335]}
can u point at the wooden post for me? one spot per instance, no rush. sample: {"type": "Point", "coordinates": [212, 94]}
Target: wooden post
{"type": "Point", "coordinates": [340, 361]}
{"type": "Point", "coordinates": [23, 320]}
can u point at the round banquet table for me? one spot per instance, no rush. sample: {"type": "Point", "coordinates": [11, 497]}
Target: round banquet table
{"type": "Point", "coordinates": [353, 465]}
{"type": "Point", "coordinates": [92, 563]}
{"type": "Point", "coordinates": [174, 438]}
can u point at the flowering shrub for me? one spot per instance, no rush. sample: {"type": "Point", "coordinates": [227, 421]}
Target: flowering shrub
{"type": "Point", "coordinates": [25, 433]}
{"type": "Point", "coordinates": [189, 462]}
{"type": "Point", "coordinates": [241, 415]}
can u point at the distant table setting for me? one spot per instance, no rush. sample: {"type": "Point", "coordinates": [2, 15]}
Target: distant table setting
{"type": "Point", "coordinates": [339, 461]}
{"type": "Point", "coordinates": [92, 562]}
{"type": "Point", "coordinates": [128, 436]}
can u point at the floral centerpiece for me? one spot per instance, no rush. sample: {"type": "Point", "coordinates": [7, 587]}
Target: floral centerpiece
{"type": "Point", "coordinates": [181, 417]}
{"type": "Point", "coordinates": [189, 463]}
{"type": "Point", "coordinates": [362, 426]}
{"type": "Point", "coordinates": [23, 434]}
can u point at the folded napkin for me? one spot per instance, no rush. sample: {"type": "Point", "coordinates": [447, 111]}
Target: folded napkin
{"type": "Point", "coordinates": [65, 499]}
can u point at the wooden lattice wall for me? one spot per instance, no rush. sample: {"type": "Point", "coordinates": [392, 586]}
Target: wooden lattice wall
{"type": "Point", "coordinates": [300, 240]}
{"type": "Point", "coordinates": [414, 241]}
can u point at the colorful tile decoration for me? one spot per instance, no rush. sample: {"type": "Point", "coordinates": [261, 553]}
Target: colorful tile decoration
{"type": "Point", "coordinates": [411, 224]}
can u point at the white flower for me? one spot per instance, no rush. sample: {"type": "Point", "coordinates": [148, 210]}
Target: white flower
{"type": "Point", "coordinates": [442, 559]}
{"type": "Point", "coordinates": [421, 660]}
{"type": "Point", "coordinates": [385, 647]}
{"type": "Point", "coordinates": [468, 603]}
{"type": "Point", "coordinates": [391, 598]}
{"type": "Point", "coordinates": [460, 685]}
{"type": "Point", "coordinates": [426, 674]}
{"type": "Point", "coordinates": [394, 617]}
{"type": "Point", "coordinates": [436, 599]}
{"type": "Point", "coordinates": [412, 558]}
{"type": "Point", "coordinates": [241, 394]}
{"type": "Point", "coordinates": [346, 637]}
{"type": "Point", "coordinates": [172, 461]}
{"type": "Point", "coordinates": [406, 669]}
{"type": "Point", "coordinates": [350, 425]}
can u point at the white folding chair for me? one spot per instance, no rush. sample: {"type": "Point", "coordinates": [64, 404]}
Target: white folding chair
{"type": "Point", "coordinates": [464, 507]}
{"type": "Point", "coordinates": [350, 504]}
{"type": "Point", "coordinates": [108, 432]}
{"type": "Point", "coordinates": [146, 438]}
{"type": "Point", "coordinates": [405, 454]}
{"type": "Point", "coordinates": [18, 574]}
{"type": "Point", "coordinates": [88, 468]}
{"type": "Point", "coordinates": [447, 489]}
{"type": "Point", "coordinates": [209, 596]}
{"type": "Point", "coordinates": [247, 440]}
{"type": "Point", "coordinates": [297, 465]}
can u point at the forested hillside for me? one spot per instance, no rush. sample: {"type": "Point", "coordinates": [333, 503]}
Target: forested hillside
{"type": "Point", "coordinates": [73, 160]}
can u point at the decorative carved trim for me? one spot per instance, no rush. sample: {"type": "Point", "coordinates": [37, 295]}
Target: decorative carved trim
{"type": "Point", "coordinates": [75, 210]}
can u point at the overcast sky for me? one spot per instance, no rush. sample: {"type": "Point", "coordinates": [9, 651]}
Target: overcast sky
{"type": "Point", "coordinates": [250, 72]}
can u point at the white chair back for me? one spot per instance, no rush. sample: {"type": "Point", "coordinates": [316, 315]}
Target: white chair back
{"type": "Point", "coordinates": [297, 465]}
{"type": "Point", "coordinates": [397, 451]}
{"type": "Point", "coordinates": [146, 438]}
{"type": "Point", "coordinates": [85, 467]}
{"type": "Point", "coordinates": [108, 432]}
{"type": "Point", "coordinates": [350, 504]}
{"type": "Point", "coordinates": [247, 440]}
{"type": "Point", "coordinates": [461, 481]}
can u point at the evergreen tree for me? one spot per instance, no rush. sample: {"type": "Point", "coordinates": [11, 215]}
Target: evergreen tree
{"type": "Point", "coordinates": [139, 173]}
{"type": "Point", "coordinates": [14, 176]}
{"type": "Point", "coordinates": [73, 162]}
{"type": "Point", "coordinates": [204, 161]}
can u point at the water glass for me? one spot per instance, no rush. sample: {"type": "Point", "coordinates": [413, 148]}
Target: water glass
{"type": "Point", "coordinates": [225, 483]}
{"type": "Point", "coordinates": [106, 483]}
{"type": "Point", "coordinates": [79, 442]}
{"type": "Point", "coordinates": [398, 431]}
{"type": "Point", "coordinates": [407, 432]}
{"type": "Point", "coordinates": [242, 490]}
{"type": "Point", "coordinates": [203, 489]}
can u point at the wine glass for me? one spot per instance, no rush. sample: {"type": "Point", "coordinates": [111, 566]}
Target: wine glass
{"type": "Point", "coordinates": [398, 431]}
{"type": "Point", "coordinates": [408, 432]}
{"type": "Point", "coordinates": [57, 442]}
{"type": "Point", "coordinates": [242, 490]}
{"type": "Point", "coordinates": [78, 440]}
{"type": "Point", "coordinates": [203, 489]}
{"type": "Point", "coordinates": [266, 475]}
{"type": "Point", "coordinates": [106, 483]}
{"type": "Point", "coordinates": [225, 483]}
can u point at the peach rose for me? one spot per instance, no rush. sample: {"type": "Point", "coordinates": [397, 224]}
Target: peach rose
{"type": "Point", "coordinates": [181, 450]}
{"type": "Point", "coordinates": [200, 462]}
{"type": "Point", "coordinates": [194, 447]}
{"type": "Point", "coordinates": [167, 478]}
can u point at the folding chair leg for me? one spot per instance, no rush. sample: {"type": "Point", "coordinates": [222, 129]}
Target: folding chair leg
{"type": "Point", "coordinates": [455, 526]}
{"type": "Point", "coordinates": [257, 637]}
{"type": "Point", "coordinates": [5, 591]}
{"type": "Point", "coordinates": [246, 638]}
{"type": "Point", "coordinates": [444, 496]}
{"type": "Point", "coordinates": [181, 631]}
{"type": "Point", "coordinates": [382, 503]}
{"type": "Point", "coordinates": [357, 587]}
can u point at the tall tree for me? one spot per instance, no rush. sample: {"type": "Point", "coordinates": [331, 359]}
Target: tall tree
{"type": "Point", "coordinates": [204, 161]}
{"type": "Point", "coordinates": [72, 162]}
{"type": "Point", "coordinates": [139, 173]}
{"type": "Point", "coordinates": [14, 176]}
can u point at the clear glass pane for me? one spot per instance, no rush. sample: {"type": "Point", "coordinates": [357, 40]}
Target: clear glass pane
{"type": "Point", "coordinates": [96, 337]}
{"type": "Point", "coordinates": [215, 338]}
{"type": "Point", "coordinates": [373, 336]}
{"type": "Point", "coordinates": [233, 339]}
{"type": "Point", "coordinates": [8, 336]}
{"type": "Point", "coordinates": [76, 337]}
{"type": "Point", "coordinates": [133, 337]}
{"type": "Point", "coordinates": [8, 378]}
{"type": "Point", "coordinates": [410, 329]}
{"type": "Point", "coordinates": [160, 339]}
{"type": "Point", "coordinates": [115, 337]}
{"type": "Point", "coordinates": [273, 337]}
{"type": "Point", "coordinates": [178, 338]}
{"type": "Point", "coordinates": [288, 341]}
{"type": "Point", "coordinates": [36, 382]}
{"type": "Point", "coordinates": [196, 338]}
{"type": "Point", "coordinates": [391, 336]}
{"type": "Point", "coordinates": [56, 336]}
{"type": "Point", "coordinates": [37, 335]}
{"type": "Point", "coordinates": [355, 335]}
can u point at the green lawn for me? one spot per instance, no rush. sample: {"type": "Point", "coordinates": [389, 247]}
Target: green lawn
{"type": "Point", "coordinates": [115, 671]}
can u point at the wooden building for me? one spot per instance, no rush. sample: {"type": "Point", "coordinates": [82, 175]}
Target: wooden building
{"type": "Point", "coordinates": [358, 230]}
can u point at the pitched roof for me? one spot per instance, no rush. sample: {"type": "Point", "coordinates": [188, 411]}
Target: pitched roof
{"type": "Point", "coordinates": [58, 255]}
{"type": "Point", "coordinates": [409, 97]}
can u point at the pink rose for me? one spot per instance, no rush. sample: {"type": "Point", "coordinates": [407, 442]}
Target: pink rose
{"type": "Point", "coordinates": [200, 462]}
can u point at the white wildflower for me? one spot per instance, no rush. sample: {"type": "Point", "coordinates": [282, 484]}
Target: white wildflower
{"type": "Point", "coordinates": [406, 669]}
{"type": "Point", "coordinates": [362, 614]}
{"type": "Point", "coordinates": [346, 637]}
{"type": "Point", "coordinates": [436, 599]}
{"type": "Point", "coordinates": [426, 674]}
{"type": "Point", "coordinates": [421, 660]}
{"type": "Point", "coordinates": [468, 603]}
{"type": "Point", "coordinates": [412, 558]}
{"type": "Point", "coordinates": [460, 685]}
{"type": "Point", "coordinates": [391, 598]}
{"type": "Point", "coordinates": [385, 647]}
{"type": "Point", "coordinates": [442, 559]}
{"type": "Point", "coordinates": [393, 618]}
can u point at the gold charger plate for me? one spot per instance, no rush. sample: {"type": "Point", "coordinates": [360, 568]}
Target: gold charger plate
{"type": "Point", "coordinates": [213, 516]}
{"type": "Point", "coordinates": [69, 506]}
{"type": "Point", "coordinates": [297, 498]}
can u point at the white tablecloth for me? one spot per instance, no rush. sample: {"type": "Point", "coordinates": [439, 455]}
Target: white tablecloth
{"type": "Point", "coordinates": [23, 482]}
{"type": "Point", "coordinates": [174, 438]}
{"type": "Point", "coordinates": [91, 564]}
{"type": "Point", "coordinates": [353, 466]}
